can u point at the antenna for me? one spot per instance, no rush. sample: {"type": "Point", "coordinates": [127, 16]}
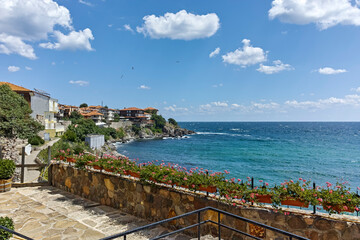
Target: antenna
{"type": "Point", "coordinates": [42, 92]}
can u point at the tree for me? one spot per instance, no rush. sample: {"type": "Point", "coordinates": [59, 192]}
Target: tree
{"type": "Point", "coordinates": [116, 117]}
{"type": "Point", "coordinates": [172, 121]}
{"type": "Point", "coordinates": [159, 121]}
{"type": "Point", "coordinates": [83, 105]}
{"type": "Point", "coordinates": [75, 116]}
{"type": "Point", "coordinates": [15, 119]}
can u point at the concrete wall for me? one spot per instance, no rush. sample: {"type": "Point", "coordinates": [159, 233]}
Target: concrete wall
{"type": "Point", "coordinates": [155, 202]}
{"type": "Point", "coordinates": [39, 105]}
{"type": "Point", "coordinates": [121, 124]}
{"type": "Point", "coordinates": [95, 141]}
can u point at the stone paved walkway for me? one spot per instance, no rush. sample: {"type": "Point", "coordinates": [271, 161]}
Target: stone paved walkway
{"type": "Point", "coordinates": [49, 213]}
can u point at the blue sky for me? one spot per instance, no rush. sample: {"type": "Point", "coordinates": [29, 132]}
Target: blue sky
{"type": "Point", "coordinates": [272, 64]}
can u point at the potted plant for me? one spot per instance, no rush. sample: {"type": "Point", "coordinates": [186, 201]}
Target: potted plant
{"type": "Point", "coordinates": [338, 198]}
{"type": "Point", "coordinates": [7, 170]}
{"type": "Point", "coordinates": [8, 223]}
{"type": "Point", "coordinates": [296, 194]}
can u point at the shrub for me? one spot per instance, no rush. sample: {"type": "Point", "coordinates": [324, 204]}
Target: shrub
{"type": "Point", "coordinates": [36, 141]}
{"type": "Point", "coordinates": [70, 136]}
{"type": "Point", "coordinates": [136, 129]}
{"type": "Point", "coordinates": [7, 168]}
{"type": "Point", "coordinates": [159, 121]}
{"type": "Point", "coordinates": [173, 122]}
{"type": "Point", "coordinates": [120, 133]}
{"type": "Point", "coordinates": [8, 223]}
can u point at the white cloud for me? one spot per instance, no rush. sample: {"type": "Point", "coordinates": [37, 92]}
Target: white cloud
{"type": "Point", "coordinates": [174, 108]}
{"type": "Point", "coordinates": [277, 67]}
{"type": "Point", "coordinates": [181, 25]}
{"type": "Point", "coordinates": [86, 3]}
{"type": "Point", "coordinates": [350, 100]}
{"type": "Point", "coordinates": [11, 44]}
{"type": "Point", "coordinates": [356, 89]}
{"type": "Point", "coordinates": [13, 68]}
{"type": "Point", "coordinates": [127, 27]}
{"type": "Point", "coordinates": [324, 13]}
{"type": "Point", "coordinates": [73, 41]}
{"type": "Point", "coordinates": [53, 63]}
{"type": "Point", "coordinates": [144, 87]}
{"type": "Point", "coordinates": [80, 83]}
{"type": "Point", "coordinates": [28, 68]}
{"type": "Point", "coordinates": [218, 85]}
{"type": "Point", "coordinates": [215, 52]}
{"type": "Point", "coordinates": [24, 22]}
{"type": "Point", "coordinates": [330, 71]}
{"type": "Point", "coordinates": [110, 25]}
{"type": "Point", "coordinates": [246, 56]}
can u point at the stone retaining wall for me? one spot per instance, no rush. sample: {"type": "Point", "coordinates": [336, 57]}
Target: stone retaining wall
{"type": "Point", "coordinates": [156, 202]}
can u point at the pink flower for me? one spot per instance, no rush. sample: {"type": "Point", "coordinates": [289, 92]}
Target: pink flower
{"type": "Point", "coordinates": [234, 204]}
{"type": "Point", "coordinates": [320, 199]}
{"type": "Point", "coordinates": [267, 184]}
{"type": "Point", "coordinates": [260, 180]}
{"type": "Point", "coordinates": [185, 179]}
{"type": "Point", "coordinates": [243, 200]}
{"type": "Point", "coordinates": [346, 208]}
{"type": "Point", "coordinates": [300, 179]}
{"type": "Point", "coordinates": [239, 180]}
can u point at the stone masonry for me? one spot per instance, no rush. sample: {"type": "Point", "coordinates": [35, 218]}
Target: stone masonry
{"type": "Point", "coordinates": [155, 202]}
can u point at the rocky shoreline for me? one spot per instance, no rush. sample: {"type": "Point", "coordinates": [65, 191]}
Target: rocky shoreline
{"type": "Point", "coordinates": [168, 131]}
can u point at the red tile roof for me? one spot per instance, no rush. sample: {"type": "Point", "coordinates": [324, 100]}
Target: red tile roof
{"type": "Point", "coordinates": [131, 109]}
{"type": "Point", "coordinates": [15, 88]}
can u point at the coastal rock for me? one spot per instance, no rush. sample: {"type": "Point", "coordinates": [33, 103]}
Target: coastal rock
{"type": "Point", "coordinates": [146, 133]}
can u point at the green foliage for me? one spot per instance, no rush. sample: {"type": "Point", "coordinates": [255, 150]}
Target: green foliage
{"type": "Point", "coordinates": [8, 223]}
{"type": "Point", "coordinates": [173, 122]}
{"type": "Point", "coordinates": [75, 117]}
{"type": "Point", "coordinates": [135, 129]}
{"type": "Point", "coordinates": [55, 150]}
{"type": "Point", "coordinates": [116, 117]}
{"type": "Point", "coordinates": [156, 130]}
{"type": "Point", "coordinates": [159, 121]}
{"type": "Point", "coordinates": [70, 136]}
{"type": "Point", "coordinates": [15, 119]}
{"type": "Point", "coordinates": [83, 105]}
{"type": "Point", "coordinates": [120, 133]}
{"type": "Point", "coordinates": [36, 140]}
{"type": "Point", "coordinates": [7, 168]}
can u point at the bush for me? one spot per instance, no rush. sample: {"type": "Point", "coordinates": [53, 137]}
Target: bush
{"type": "Point", "coordinates": [36, 141]}
{"type": "Point", "coordinates": [173, 122]}
{"type": "Point", "coordinates": [159, 121]}
{"type": "Point", "coordinates": [136, 129]}
{"type": "Point", "coordinates": [7, 168]}
{"type": "Point", "coordinates": [8, 223]}
{"type": "Point", "coordinates": [70, 136]}
{"type": "Point", "coordinates": [120, 133]}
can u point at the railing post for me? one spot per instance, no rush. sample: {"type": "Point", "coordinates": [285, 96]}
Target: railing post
{"type": "Point", "coordinates": [124, 237]}
{"type": "Point", "coordinates": [207, 176]}
{"type": "Point", "coordinates": [49, 166]}
{"type": "Point", "coordinates": [314, 207]}
{"type": "Point", "coordinates": [1, 156]}
{"type": "Point", "coordinates": [252, 187]}
{"type": "Point", "coordinates": [219, 226]}
{"type": "Point", "coordinates": [22, 165]}
{"type": "Point", "coordinates": [199, 220]}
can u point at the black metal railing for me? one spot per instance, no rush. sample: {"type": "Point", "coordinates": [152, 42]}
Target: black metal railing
{"type": "Point", "coordinates": [198, 225]}
{"type": "Point", "coordinates": [15, 233]}
{"type": "Point", "coordinates": [201, 222]}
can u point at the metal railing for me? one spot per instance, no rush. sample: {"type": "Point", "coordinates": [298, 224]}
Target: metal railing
{"type": "Point", "coordinates": [201, 222]}
{"type": "Point", "coordinates": [198, 225]}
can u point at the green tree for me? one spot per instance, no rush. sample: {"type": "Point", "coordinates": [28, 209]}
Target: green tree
{"type": "Point", "coordinates": [75, 116]}
{"type": "Point", "coordinates": [83, 105]}
{"type": "Point", "coordinates": [15, 119]}
{"type": "Point", "coordinates": [116, 117]}
{"type": "Point", "coordinates": [159, 121]}
{"type": "Point", "coordinates": [172, 121]}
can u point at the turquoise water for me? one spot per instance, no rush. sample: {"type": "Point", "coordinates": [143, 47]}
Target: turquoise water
{"type": "Point", "coordinates": [272, 152]}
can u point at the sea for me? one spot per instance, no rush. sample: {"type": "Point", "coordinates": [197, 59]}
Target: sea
{"type": "Point", "coordinates": [269, 151]}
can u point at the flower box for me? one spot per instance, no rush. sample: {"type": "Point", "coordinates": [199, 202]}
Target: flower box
{"type": "Point", "coordinates": [294, 202]}
{"type": "Point", "coordinates": [264, 198]}
{"type": "Point", "coordinates": [337, 208]}
{"type": "Point", "coordinates": [62, 158]}
{"type": "Point", "coordinates": [183, 186]}
{"type": "Point", "coordinates": [134, 174]}
{"type": "Point", "coordinates": [109, 170]}
{"type": "Point", "coordinates": [70, 160]}
{"type": "Point", "coordinates": [97, 167]}
{"type": "Point", "coordinates": [210, 189]}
